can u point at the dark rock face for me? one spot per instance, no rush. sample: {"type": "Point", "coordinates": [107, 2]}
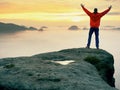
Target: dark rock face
{"type": "Point", "coordinates": [90, 69]}
{"type": "Point", "coordinates": [104, 66]}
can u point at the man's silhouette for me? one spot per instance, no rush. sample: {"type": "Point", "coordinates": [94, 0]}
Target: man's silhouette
{"type": "Point", "coordinates": [94, 23]}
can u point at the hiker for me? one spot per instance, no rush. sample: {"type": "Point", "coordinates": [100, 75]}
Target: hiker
{"type": "Point", "coordinates": [94, 23]}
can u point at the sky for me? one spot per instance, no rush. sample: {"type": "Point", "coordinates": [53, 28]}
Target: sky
{"type": "Point", "coordinates": [43, 11]}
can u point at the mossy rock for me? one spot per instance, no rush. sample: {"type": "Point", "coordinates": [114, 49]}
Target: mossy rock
{"type": "Point", "coordinates": [92, 59]}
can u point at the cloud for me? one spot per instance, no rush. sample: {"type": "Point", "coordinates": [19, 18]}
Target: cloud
{"type": "Point", "coordinates": [53, 6]}
{"type": "Point", "coordinates": [114, 13]}
{"type": "Point", "coordinates": [111, 0]}
{"type": "Point", "coordinates": [3, 4]}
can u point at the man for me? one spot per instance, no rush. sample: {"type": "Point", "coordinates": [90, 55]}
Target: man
{"type": "Point", "coordinates": [94, 23]}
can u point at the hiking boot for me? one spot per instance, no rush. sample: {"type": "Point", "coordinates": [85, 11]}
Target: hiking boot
{"type": "Point", "coordinates": [97, 47]}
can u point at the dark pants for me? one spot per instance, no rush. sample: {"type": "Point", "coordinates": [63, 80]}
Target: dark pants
{"type": "Point", "coordinates": [91, 31]}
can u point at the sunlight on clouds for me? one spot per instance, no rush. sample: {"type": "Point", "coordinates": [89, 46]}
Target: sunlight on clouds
{"type": "Point", "coordinates": [77, 19]}
{"type": "Point", "coordinates": [53, 10]}
{"type": "Point", "coordinates": [112, 18]}
{"type": "Point", "coordinates": [36, 6]}
{"type": "Point", "coordinates": [17, 6]}
{"type": "Point", "coordinates": [44, 16]}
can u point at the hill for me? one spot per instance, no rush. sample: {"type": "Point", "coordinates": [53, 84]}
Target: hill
{"type": "Point", "coordinates": [10, 27]}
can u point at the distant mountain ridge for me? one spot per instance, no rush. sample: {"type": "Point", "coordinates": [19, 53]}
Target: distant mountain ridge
{"type": "Point", "coordinates": [10, 27]}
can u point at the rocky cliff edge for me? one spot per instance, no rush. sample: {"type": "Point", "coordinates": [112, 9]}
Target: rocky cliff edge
{"type": "Point", "coordinates": [70, 69]}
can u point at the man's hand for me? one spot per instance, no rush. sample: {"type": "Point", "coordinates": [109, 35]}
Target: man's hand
{"type": "Point", "coordinates": [110, 7]}
{"type": "Point", "coordinates": [82, 5]}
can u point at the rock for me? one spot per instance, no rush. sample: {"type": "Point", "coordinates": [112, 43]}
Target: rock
{"type": "Point", "coordinates": [87, 69]}
{"type": "Point", "coordinates": [73, 28]}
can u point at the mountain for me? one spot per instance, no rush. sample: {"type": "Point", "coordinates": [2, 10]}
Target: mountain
{"type": "Point", "coordinates": [10, 27]}
{"type": "Point", "coordinates": [88, 69]}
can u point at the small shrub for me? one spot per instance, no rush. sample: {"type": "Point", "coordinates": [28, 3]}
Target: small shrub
{"type": "Point", "coordinates": [8, 66]}
{"type": "Point", "coordinates": [92, 59]}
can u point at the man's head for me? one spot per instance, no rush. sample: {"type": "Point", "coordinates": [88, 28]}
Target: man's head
{"type": "Point", "coordinates": [95, 10]}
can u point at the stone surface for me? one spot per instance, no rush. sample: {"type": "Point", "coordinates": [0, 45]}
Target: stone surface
{"type": "Point", "coordinates": [88, 69]}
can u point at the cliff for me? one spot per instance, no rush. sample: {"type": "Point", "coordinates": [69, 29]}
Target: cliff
{"type": "Point", "coordinates": [70, 69]}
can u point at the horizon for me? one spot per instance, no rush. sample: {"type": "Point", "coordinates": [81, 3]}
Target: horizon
{"type": "Point", "coordinates": [54, 12]}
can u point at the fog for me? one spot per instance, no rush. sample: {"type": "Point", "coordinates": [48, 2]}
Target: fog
{"type": "Point", "coordinates": [27, 43]}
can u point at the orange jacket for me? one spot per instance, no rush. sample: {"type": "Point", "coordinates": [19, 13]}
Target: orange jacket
{"type": "Point", "coordinates": [95, 18]}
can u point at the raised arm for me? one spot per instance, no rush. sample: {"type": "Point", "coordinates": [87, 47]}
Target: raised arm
{"type": "Point", "coordinates": [85, 10]}
{"type": "Point", "coordinates": [106, 11]}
